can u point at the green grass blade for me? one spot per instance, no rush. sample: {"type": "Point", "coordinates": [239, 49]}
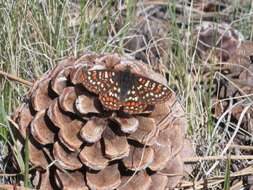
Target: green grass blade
{"type": "Point", "coordinates": [227, 174]}
{"type": "Point", "coordinates": [26, 174]}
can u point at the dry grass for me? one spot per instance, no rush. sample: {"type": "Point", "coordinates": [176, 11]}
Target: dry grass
{"type": "Point", "coordinates": [34, 35]}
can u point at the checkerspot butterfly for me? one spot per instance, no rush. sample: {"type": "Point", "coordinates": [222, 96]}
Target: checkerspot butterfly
{"type": "Point", "coordinates": [124, 89]}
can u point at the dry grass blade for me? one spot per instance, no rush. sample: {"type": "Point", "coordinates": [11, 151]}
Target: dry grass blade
{"type": "Point", "coordinates": [208, 158]}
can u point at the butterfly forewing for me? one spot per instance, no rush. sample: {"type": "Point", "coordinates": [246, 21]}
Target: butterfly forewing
{"type": "Point", "coordinates": [98, 81]}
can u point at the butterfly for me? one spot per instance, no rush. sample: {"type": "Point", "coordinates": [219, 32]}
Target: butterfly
{"type": "Point", "coordinates": [124, 89]}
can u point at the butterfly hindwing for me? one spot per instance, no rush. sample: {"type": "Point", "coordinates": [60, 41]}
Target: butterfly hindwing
{"type": "Point", "coordinates": [110, 100]}
{"type": "Point", "coordinates": [133, 103]}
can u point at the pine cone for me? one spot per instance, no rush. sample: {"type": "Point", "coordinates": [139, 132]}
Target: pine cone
{"type": "Point", "coordinates": [218, 41]}
{"type": "Point", "coordinates": [238, 85]}
{"type": "Point", "coordinates": [210, 10]}
{"type": "Point", "coordinates": [211, 5]}
{"type": "Point", "coordinates": [147, 36]}
{"type": "Point", "coordinates": [76, 142]}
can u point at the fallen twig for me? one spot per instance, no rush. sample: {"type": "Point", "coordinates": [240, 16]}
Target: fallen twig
{"type": "Point", "coordinates": [15, 78]}
{"type": "Point", "coordinates": [215, 180]}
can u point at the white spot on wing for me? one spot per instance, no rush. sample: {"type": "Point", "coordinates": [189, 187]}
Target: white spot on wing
{"type": "Point", "coordinates": [106, 74]}
{"type": "Point", "coordinates": [147, 83]}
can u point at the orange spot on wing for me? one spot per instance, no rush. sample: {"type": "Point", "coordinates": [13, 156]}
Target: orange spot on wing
{"type": "Point", "coordinates": [106, 98]}
{"type": "Point", "coordinates": [94, 76]}
{"type": "Point", "coordinates": [157, 90]}
{"type": "Point", "coordinates": [127, 104]}
{"type": "Point", "coordinates": [132, 103]}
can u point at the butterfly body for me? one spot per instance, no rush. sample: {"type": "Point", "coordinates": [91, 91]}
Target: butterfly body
{"type": "Point", "coordinates": [126, 80]}
{"type": "Point", "coordinates": [124, 89]}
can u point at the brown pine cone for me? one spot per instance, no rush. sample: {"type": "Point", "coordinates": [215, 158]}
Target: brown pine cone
{"type": "Point", "coordinates": [218, 41]}
{"type": "Point", "coordinates": [234, 93]}
{"type": "Point", "coordinates": [210, 10]}
{"type": "Point", "coordinates": [76, 142]}
{"type": "Point", "coordinates": [147, 37]}
{"type": "Point", "coordinates": [148, 40]}
{"type": "Point", "coordinates": [210, 5]}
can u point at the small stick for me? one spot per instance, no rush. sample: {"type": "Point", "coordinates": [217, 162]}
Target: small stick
{"type": "Point", "coordinates": [15, 78]}
{"type": "Point", "coordinates": [8, 175]}
{"type": "Point", "coordinates": [220, 179]}
{"type": "Point", "coordinates": [241, 147]}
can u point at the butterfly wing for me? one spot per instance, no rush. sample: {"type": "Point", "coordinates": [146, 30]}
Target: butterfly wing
{"type": "Point", "coordinates": [98, 81]}
{"type": "Point", "coordinates": [152, 92]}
{"type": "Point", "coordinates": [145, 92]}
{"type": "Point", "coordinates": [133, 103]}
{"type": "Point", "coordinates": [110, 99]}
